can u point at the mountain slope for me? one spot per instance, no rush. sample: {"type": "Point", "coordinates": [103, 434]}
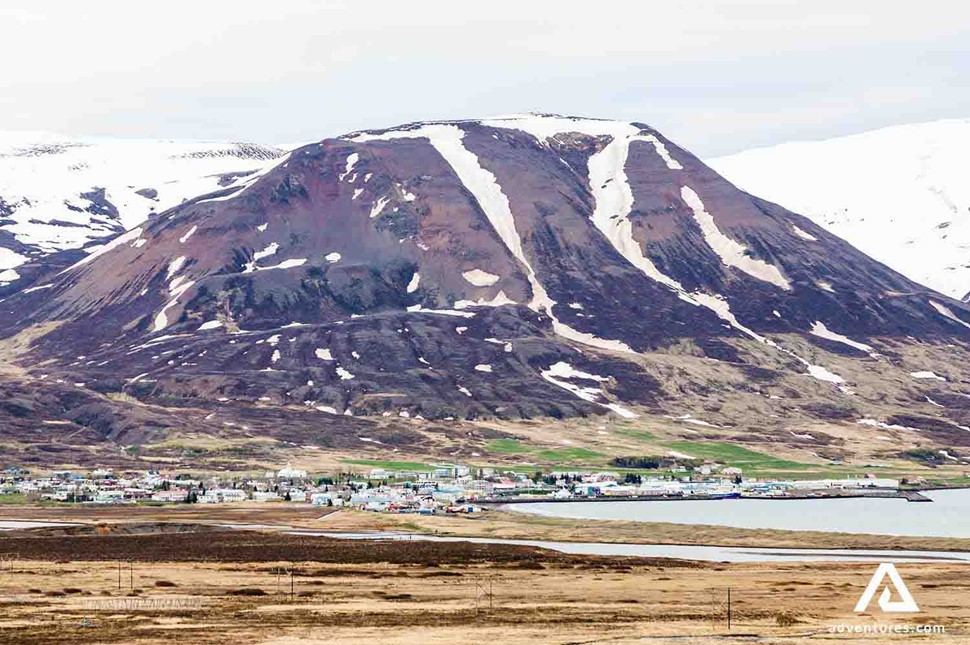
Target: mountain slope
{"type": "Point", "coordinates": [517, 267]}
{"type": "Point", "coordinates": [59, 193]}
{"type": "Point", "coordinates": [899, 194]}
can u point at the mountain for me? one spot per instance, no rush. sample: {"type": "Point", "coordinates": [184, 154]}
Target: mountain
{"type": "Point", "coordinates": [898, 194]}
{"type": "Point", "coordinates": [506, 269]}
{"type": "Point", "coordinates": [59, 193]}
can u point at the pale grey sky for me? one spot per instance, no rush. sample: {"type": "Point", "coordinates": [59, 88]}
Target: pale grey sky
{"type": "Point", "coordinates": [715, 76]}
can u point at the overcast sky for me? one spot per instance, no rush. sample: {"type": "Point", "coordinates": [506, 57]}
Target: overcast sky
{"type": "Point", "coordinates": [715, 76]}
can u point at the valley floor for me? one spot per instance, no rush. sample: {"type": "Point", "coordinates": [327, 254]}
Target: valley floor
{"type": "Point", "coordinates": [497, 524]}
{"type": "Point", "coordinates": [125, 577]}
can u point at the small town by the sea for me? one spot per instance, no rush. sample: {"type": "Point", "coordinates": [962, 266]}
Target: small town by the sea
{"type": "Point", "coordinates": [442, 488]}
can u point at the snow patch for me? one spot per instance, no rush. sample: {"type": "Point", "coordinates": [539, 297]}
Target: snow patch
{"type": "Point", "coordinates": [819, 329]}
{"type": "Point", "coordinates": [414, 283]}
{"type": "Point", "coordinates": [558, 373]}
{"type": "Point", "coordinates": [259, 255]}
{"type": "Point", "coordinates": [161, 319]}
{"type": "Point", "coordinates": [822, 374]}
{"type": "Point", "coordinates": [499, 300]}
{"type": "Point", "coordinates": [731, 252]}
{"type": "Point", "coordinates": [285, 264]}
{"type": "Point", "coordinates": [947, 312]}
{"type": "Point", "coordinates": [927, 375]}
{"type": "Point", "coordinates": [344, 374]}
{"type": "Point", "coordinates": [480, 278]}
{"type": "Point", "coordinates": [185, 238]}
{"type": "Point", "coordinates": [378, 207]}
{"type": "Point", "coordinates": [825, 286]}
{"type": "Point", "coordinates": [803, 234]}
{"type": "Point", "coordinates": [352, 159]}
{"type": "Point", "coordinates": [175, 266]}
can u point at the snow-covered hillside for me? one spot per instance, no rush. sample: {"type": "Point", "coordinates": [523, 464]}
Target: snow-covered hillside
{"type": "Point", "coordinates": [61, 193]}
{"type": "Point", "coordinates": [900, 194]}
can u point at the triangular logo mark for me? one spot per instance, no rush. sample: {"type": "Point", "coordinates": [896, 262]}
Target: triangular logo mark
{"type": "Point", "coordinates": [906, 604]}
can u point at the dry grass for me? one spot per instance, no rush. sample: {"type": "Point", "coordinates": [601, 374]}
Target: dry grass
{"type": "Point", "coordinates": [258, 603]}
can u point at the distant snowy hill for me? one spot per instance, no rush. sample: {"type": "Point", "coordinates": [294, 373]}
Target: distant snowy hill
{"type": "Point", "coordinates": [59, 193]}
{"type": "Point", "coordinates": [900, 194]}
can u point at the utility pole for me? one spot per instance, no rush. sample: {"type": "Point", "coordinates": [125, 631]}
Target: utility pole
{"type": "Point", "coordinates": [729, 609]}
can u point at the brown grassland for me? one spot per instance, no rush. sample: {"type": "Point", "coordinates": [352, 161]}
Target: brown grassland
{"type": "Point", "coordinates": [128, 578]}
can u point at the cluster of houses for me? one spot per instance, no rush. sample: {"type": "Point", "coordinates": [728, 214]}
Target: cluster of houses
{"type": "Point", "coordinates": [448, 488]}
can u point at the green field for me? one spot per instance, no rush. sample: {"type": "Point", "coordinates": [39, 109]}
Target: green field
{"type": "Point", "coordinates": [508, 446]}
{"type": "Point", "coordinates": [559, 455]}
{"type": "Point", "coordinates": [390, 465]}
{"type": "Point", "coordinates": [639, 435]}
{"type": "Point", "coordinates": [734, 455]}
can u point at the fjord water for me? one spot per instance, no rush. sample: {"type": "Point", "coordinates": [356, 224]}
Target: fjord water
{"type": "Point", "coordinates": [947, 516]}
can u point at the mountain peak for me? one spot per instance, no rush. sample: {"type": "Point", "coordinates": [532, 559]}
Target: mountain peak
{"type": "Point", "coordinates": [516, 266]}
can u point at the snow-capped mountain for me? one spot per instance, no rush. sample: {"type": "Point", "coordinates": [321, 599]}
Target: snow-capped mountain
{"type": "Point", "coordinates": [59, 193]}
{"type": "Point", "coordinates": [513, 267]}
{"type": "Point", "coordinates": [900, 194]}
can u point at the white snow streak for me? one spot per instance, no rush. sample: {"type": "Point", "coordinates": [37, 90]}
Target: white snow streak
{"type": "Point", "coordinates": [378, 207]}
{"type": "Point", "coordinates": [946, 311]}
{"type": "Point", "coordinates": [819, 329]}
{"type": "Point", "coordinates": [731, 252]}
{"type": "Point", "coordinates": [559, 372]}
{"type": "Point", "coordinates": [447, 140]}
{"type": "Point", "coordinates": [259, 255]}
{"type": "Point", "coordinates": [174, 267]}
{"type": "Point", "coordinates": [285, 264]}
{"type": "Point", "coordinates": [161, 319]}
{"type": "Point", "coordinates": [803, 234]}
{"type": "Point", "coordinates": [185, 238]}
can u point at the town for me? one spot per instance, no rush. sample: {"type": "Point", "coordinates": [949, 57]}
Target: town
{"type": "Point", "coordinates": [443, 488]}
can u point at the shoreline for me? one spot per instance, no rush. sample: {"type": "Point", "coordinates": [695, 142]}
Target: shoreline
{"type": "Point", "coordinates": [915, 496]}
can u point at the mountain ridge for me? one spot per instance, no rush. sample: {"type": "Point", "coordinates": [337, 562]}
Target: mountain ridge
{"type": "Point", "coordinates": [518, 267]}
